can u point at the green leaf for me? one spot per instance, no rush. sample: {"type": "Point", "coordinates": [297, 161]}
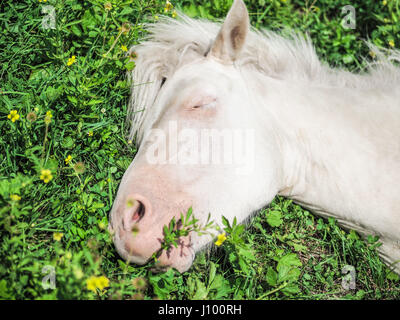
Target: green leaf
{"type": "Point", "coordinates": [272, 277]}
{"type": "Point", "coordinates": [130, 65]}
{"type": "Point", "coordinates": [201, 292]}
{"type": "Point", "coordinates": [288, 273]}
{"type": "Point", "coordinates": [392, 276]}
{"type": "Point", "coordinates": [81, 233]}
{"type": "Point", "coordinates": [73, 100]}
{"type": "Point", "coordinates": [88, 21]}
{"type": "Point", "coordinates": [360, 294]}
{"type": "Point", "coordinates": [94, 101]}
{"type": "Point", "coordinates": [76, 30]}
{"type": "Point", "coordinates": [247, 253]}
{"type": "Point", "coordinates": [126, 10]}
{"type": "Point", "coordinates": [286, 268]}
{"type": "Point", "coordinates": [226, 223]}
{"type": "Point", "coordinates": [93, 33]}
{"type": "Point", "coordinates": [353, 235]}
{"type": "Point", "coordinates": [298, 247]}
{"type": "Point", "coordinates": [291, 289]}
{"type": "Point", "coordinates": [348, 59]}
{"type": "Point", "coordinates": [213, 271]}
{"type": "Point", "coordinates": [221, 286]}
{"type": "Point", "coordinates": [4, 293]}
{"type": "Point", "coordinates": [191, 10]}
{"type": "Point", "coordinates": [243, 265]}
{"type": "Point", "coordinates": [274, 218]}
{"type": "Point", "coordinates": [289, 260]}
{"type": "Point", "coordinates": [163, 283]}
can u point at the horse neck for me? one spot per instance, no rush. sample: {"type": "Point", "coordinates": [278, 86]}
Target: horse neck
{"type": "Point", "coordinates": [328, 143]}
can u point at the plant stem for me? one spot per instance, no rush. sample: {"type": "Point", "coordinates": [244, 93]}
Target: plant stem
{"type": "Point", "coordinates": [273, 291]}
{"type": "Point", "coordinates": [45, 139]}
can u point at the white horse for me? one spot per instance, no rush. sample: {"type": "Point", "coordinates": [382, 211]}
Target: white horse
{"type": "Point", "coordinates": [326, 138]}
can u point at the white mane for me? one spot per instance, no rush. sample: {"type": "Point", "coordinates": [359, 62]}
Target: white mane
{"type": "Point", "coordinates": [292, 58]}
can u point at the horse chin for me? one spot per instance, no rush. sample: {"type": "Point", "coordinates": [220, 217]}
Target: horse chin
{"type": "Point", "coordinates": [180, 258]}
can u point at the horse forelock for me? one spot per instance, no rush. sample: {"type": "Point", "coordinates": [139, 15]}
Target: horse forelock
{"type": "Point", "coordinates": [293, 57]}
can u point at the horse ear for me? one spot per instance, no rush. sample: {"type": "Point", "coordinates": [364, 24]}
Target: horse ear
{"type": "Point", "coordinates": [232, 35]}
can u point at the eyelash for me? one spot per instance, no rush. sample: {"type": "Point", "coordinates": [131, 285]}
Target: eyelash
{"type": "Point", "coordinates": [207, 105]}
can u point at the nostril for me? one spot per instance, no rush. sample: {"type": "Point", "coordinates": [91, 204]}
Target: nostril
{"type": "Point", "coordinates": [138, 211]}
{"type": "Point", "coordinates": [136, 208]}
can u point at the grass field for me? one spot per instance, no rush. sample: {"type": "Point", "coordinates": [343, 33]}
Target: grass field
{"type": "Point", "coordinates": [63, 151]}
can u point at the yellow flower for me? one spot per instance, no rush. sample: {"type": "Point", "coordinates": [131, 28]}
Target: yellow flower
{"type": "Point", "coordinates": [15, 197]}
{"type": "Point", "coordinates": [91, 284]}
{"type": "Point", "coordinates": [71, 60]}
{"type": "Point", "coordinates": [57, 236]}
{"type": "Point", "coordinates": [174, 14]}
{"type": "Point", "coordinates": [90, 133]}
{"type": "Point", "coordinates": [46, 175]}
{"type": "Point", "coordinates": [94, 283]}
{"type": "Point", "coordinates": [391, 43]}
{"type": "Point", "coordinates": [42, 0]}
{"type": "Point", "coordinates": [124, 48]}
{"type": "Point", "coordinates": [384, 2]}
{"type": "Point", "coordinates": [47, 118]}
{"type": "Point", "coordinates": [221, 239]}
{"type": "Point", "coordinates": [102, 282]}
{"type": "Point", "coordinates": [68, 159]}
{"type": "Point", "coordinates": [168, 6]}
{"type": "Point", "coordinates": [13, 116]}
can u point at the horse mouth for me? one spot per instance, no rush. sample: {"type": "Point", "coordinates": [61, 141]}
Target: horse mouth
{"type": "Point", "coordinates": [180, 257]}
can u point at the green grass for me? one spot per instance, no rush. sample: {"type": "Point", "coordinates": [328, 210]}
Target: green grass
{"type": "Point", "coordinates": [284, 253]}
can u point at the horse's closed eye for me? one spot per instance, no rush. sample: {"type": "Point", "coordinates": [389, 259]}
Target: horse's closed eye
{"type": "Point", "coordinates": [206, 105]}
